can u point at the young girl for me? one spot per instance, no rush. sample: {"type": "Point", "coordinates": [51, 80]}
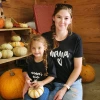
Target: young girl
{"type": "Point", "coordinates": [67, 55]}
{"type": "Point", "coordinates": [40, 68]}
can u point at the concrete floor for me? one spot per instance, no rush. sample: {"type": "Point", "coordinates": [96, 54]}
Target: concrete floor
{"type": "Point", "coordinates": [91, 91]}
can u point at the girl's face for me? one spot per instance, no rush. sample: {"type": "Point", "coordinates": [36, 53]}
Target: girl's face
{"type": "Point", "coordinates": [62, 19]}
{"type": "Point", "coordinates": [37, 49]}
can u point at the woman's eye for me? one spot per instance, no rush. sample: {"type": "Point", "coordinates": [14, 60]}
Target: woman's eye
{"type": "Point", "coordinates": [58, 17]}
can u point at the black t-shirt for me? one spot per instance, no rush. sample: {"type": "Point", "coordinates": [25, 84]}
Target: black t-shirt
{"type": "Point", "coordinates": [63, 56]}
{"type": "Point", "coordinates": [36, 70]}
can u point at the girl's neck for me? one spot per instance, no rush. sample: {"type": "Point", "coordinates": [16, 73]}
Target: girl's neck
{"type": "Point", "coordinates": [61, 35]}
{"type": "Point", "coordinates": [38, 59]}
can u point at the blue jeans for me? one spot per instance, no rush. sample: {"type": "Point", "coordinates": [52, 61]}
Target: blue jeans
{"type": "Point", "coordinates": [74, 93]}
{"type": "Point", "coordinates": [44, 96]}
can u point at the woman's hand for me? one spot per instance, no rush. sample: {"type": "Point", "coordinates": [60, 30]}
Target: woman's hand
{"type": "Point", "coordinates": [37, 84]}
{"type": "Point", "coordinates": [60, 94]}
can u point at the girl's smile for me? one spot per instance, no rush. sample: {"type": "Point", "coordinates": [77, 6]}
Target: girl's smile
{"type": "Point", "coordinates": [37, 49]}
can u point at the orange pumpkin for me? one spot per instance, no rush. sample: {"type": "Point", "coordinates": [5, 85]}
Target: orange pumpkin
{"type": "Point", "coordinates": [1, 22]}
{"type": "Point", "coordinates": [87, 73]}
{"type": "Point", "coordinates": [11, 84]}
{"type": "Point", "coordinates": [17, 44]}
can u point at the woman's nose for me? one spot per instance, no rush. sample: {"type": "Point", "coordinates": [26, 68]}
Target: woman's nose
{"type": "Point", "coordinates": [62, 20]}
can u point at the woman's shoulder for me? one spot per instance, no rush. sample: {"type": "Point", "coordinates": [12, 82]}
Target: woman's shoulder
{"type": "Point", "coordinates": [47, 34]}
{"type": "Point", "coordinates": [76, 36]}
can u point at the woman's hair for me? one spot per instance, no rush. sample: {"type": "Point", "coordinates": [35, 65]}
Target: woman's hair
{"type": "Point", "coordinates": [41, 39]}
{"type": "Point", "coordinates": [59, 7]}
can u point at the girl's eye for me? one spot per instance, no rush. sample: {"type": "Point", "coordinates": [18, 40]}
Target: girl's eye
{"type": "Point", "coordinates": [33, 48]}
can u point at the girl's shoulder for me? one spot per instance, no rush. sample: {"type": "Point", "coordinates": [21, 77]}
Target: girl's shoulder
{"type": "Point", "coordinates": [30, 59]}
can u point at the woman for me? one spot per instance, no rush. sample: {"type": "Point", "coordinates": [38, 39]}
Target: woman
{"type": "Point", "coordinates": [67, 55]}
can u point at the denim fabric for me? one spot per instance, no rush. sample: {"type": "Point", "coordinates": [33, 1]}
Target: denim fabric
{"type": "Point", "coordinates": [74, 93]}
{"type": "Point", "coordinates": [44, 96]}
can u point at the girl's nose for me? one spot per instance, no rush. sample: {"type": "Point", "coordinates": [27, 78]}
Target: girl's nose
{"type": "Point", "coordinates": [36, 50]}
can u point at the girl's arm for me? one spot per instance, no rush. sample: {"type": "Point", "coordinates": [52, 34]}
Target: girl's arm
{"type": "Point", "coordinates": [37, 84]}
{"type": "Point", "coordinates": [27, 78]}
{"type": "Point", "coordinates": [25, 75]}
{"type": "Point", "coordinates": [48, 80]}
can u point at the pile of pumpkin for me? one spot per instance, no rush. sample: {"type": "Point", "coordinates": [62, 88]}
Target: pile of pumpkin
{"type": "Point", "coordinates": [10, 23]}
{"type": "Point", "coordinates": [14, 48]}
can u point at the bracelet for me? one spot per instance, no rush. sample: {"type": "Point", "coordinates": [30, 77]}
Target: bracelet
{"type": "Point", "coordinates": [68, 87]}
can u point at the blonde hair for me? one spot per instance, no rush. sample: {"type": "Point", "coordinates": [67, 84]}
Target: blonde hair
{"type": "Point", "coordinates": [44, 41]}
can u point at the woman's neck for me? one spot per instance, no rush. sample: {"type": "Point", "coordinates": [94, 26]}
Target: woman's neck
{"type": "Point", "coordinates": [61, 35]}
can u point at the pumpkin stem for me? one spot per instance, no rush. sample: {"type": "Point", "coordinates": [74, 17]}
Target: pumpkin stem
{"type": "Point", "coordinates": [84, 61]}
{"type": "Point", "coordinates": [11, 73]}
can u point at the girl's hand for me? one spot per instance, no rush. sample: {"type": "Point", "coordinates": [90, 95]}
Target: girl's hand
{"type": "Point", "coordinates": [37, 84]}
{"type": "Point", "coordinates": [28, 81]}
{"type": "Point", "coordinates": [60, 94]}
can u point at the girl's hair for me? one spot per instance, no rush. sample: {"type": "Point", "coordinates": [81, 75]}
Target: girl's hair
{"type": "Point", "coordinates": [44, 41]}
{"type": "Point", "coordinates": [59, 7]}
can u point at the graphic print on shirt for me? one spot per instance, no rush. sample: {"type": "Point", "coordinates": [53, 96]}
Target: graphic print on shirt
{"type": "Point", "coordinates": [36, 75]}
{"type": "Point", "coordinates": [59, 55]}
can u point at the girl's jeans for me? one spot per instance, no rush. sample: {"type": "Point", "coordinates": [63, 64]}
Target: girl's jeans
{"type": "Point", "coordinates": [74, 93]}
{"type": "Point", "coordinates": [44, 96]}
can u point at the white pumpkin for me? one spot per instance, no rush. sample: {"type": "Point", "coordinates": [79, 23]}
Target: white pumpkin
{"type": "Point", "coordinates": [23, 25]}
{"type": "Point", "coordinates": [0, 54]}
{"type": "Point", "coordinates": [6, 46]}
{"type": "Point", "coordinates": [7, 53]}
{"type": "Point", "coordinates": [35, 93]}
{"type": "Point", "coordinates": [16, 38]}
{"type": "Point", "coordinates": [20, 51]}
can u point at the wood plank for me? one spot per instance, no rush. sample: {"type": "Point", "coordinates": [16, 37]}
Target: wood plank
{"type": "Point", "coordinates": [92, 36]}
{"type": "Point", "coordinates": [5, 37]}
{"type": "Point", "coordinates": [92, 58]}
{"type": "Point", "coordinates": [11, 29]}
{"type": "Point", "coordinates": [12, 59]}
{"type": "Point", "coordinates": [21, 10]}
{"type": "Point", "coordinates": [91, 48]}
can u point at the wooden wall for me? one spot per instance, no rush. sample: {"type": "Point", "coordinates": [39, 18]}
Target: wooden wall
{"type": "Point", "coordinates": [86, 20]}
{"type": "Point", "coordinates": [20, 10]}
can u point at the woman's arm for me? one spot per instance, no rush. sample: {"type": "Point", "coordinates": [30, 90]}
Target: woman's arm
{"type": "Point", "coordinates": [76, 72]}
{"type": "Point", "coordinates": [74, 75]}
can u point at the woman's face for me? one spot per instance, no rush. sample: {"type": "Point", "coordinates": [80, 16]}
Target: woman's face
{"type": "Point", "coordinates": [62, 19]}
